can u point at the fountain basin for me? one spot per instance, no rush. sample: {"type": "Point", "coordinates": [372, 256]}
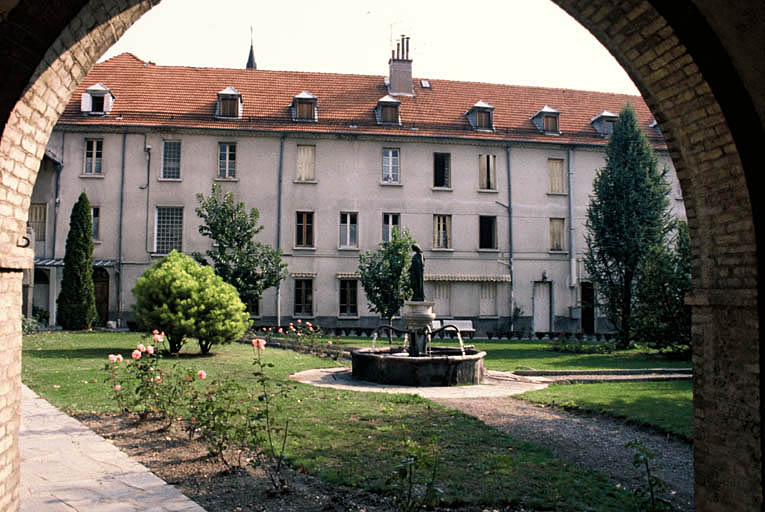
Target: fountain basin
{"type": "Point", "coordinates": [446, 366]}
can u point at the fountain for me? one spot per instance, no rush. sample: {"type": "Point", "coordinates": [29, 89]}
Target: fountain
{"type": "Point", "coordinates": [418, 363]}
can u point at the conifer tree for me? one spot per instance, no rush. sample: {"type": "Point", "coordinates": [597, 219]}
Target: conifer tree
{"type": "Point", "coordinates": [77, 299]}
{"type": "Point", "coordinates": [627, 217]}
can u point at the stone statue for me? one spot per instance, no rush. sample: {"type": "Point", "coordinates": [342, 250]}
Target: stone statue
{"type": "Point", "coordinates": [417, 274]}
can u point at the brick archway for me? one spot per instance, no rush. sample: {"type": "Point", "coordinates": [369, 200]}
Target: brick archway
{"type": "Point", "coordinates": [699, 77]}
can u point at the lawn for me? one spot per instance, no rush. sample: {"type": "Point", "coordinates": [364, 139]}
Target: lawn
{"type": "Point", "coordinates": [345, 437]}
{"type": "Point", "coordinates": [504, 355]}
{"type": "Point", "coordinates": [664, 405]}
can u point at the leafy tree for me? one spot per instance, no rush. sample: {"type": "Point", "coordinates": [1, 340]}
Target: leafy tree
{"type": "Point", "coordinates": [662, 320]}
{"type": "Point", "coordinates": [627, 217]}
{"type": "Point", "coordinates": [385, 276]}
{"type": "Point", "coordinates": [77, 299]}
{"type": "Point", "coordinates": [187, 300]}
{"type": "Point", "coordinates": [251, 267]}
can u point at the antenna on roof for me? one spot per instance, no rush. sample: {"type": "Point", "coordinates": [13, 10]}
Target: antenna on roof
{"type": "Point", "coordinates": [251, 58]}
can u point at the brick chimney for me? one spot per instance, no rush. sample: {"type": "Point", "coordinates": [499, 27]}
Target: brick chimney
{"type": "Point", "coordinates": [400, 78]}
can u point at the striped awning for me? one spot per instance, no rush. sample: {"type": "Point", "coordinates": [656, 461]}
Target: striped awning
{"type": "Point", "coordinates": [59, 262]}
{"type": "Point", "coordinates": [303, 275]}
{"type": "Point", "coordinates": [478, 278]}
{"type": "Point", "coordinates": [348, 275]}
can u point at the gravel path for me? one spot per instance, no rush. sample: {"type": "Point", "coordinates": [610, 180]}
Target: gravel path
{"type": "Point", "coordinates": [590, 441]}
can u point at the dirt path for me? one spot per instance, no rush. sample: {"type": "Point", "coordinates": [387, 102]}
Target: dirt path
{"type": "Point", "coordinates": [590, 441]}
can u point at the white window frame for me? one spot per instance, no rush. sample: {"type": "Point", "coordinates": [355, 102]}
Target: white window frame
{"type": "Point", "coordinates": [37, 210]}
{"type": "Point", "coordinates": [95, 224]}
{"type": "Point", "coordinates": [348, 236]}
{"type": "Point", "coordinates": [442, 231]}
{"type": "Point", "coordinates": [550, 180]}
{"type": "Point", "coordinates": [301, 152]}
{"type": "Point", "coordinates": [387, 227]}
{"type": "Point", "coordinates": [391, 166]}
{"type": "Point", "coordinates": [553, 243]}
{"type": "Point", "coordinates": [157, 228]}
{"type": "Point", "coordinates": [94, 166]}
{"type": "Point", "coordinates": [227, 166]}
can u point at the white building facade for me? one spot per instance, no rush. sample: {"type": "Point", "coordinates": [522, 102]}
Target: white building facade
{"type": "Point", "coordinates": [493, 182]}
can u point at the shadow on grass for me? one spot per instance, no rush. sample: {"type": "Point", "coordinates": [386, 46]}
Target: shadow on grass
{"type": "Point", "coordinates": [103, 353]}
{"type": "Point", "coordinates": [582, 361]}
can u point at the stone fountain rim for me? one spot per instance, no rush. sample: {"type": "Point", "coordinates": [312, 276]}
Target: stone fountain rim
{"type": "Point", "coordinates": [381, 352]}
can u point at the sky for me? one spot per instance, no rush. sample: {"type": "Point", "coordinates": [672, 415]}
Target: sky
{"type": "Point", "coordinates": [520, 42]}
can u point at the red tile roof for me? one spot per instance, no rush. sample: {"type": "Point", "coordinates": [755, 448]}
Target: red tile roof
{"type": "Point", "coordinates": [173, 96]}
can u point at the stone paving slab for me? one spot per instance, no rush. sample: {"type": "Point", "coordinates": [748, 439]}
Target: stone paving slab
{"type": "Point", "coordinates": [65, 466]}
{"type": "Point", "coordinates": [497, 385]}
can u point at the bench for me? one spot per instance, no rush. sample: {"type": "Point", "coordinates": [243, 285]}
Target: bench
{"type": "Point", "coordinates": [465, 327]}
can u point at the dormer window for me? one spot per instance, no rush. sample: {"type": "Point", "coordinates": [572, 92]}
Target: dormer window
{"type": "Point", "coordinates": [655, 125]}
{"type": "Point", "coordinates": [304, 107]}
{"type": "Point", "coordinates": [387, 110]}
{"type": "Point", "coordinates": [229, 103]}
{"type": "Point", "coordinates": [547, 120]}
{"type": "Point", "coordinates": [96, 100]}
{"type": "Point", "coordinates": [604, 123]}
{"type": "Point", "coordinates": [481, 116]}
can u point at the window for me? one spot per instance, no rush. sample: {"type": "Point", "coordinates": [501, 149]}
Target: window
{"type": "Point", "coordinates": [608, 127]}
{"type": "Point", "coordinates": [483, 120]}
{"type": "Point", "coordinates": [93, 154]}
{"type": "Point", "coordinates": [304, 110]}
{"type": "Point", "coordinates": [441, 166]}
{"type": "Point", "coordinates": [390, 164]}
{"type": "Point", "coordinates": [306, 163]}
{"type": "Point", "coordinates": [37, 220]}
{"type": "Point", "coordinates": [487, 232]}
{"type": "Point", "coordinates": [550, 123]}
{"type": "Point", "coordinates": [304, 225]}
{"type": "Point", "coordinates": [348, 297]}
{"type": "Point", "coordinates": [95, 216]}
{"type": "Point", "coordinates": [303, 303]}
{"type": "Point", "coordinates": [96, 103]}
{"type": "Point", "coordinates": [169, 232]}
{"type": "Point", "coordinates": [390, 221]}
{"type": "Point", "coordinates": [226, 160]}
{"type": "Point", "coordinates": [556, 234]}
{"type": "Point", "coordinates": [486, 172]}
{"type": "Point", "coordinates": [349, 230]}
{"type": "Point", "coordinates": [171, 159]}
{"type": "Point", "coordinates": [442, 231]}
{"type": "Point", "coordinates": [96, 100]}
{"type": "Point", "coordinates": [229, 107]}
{"type": "Point", "coordinates": [389, 113]}
{"type": "Point", "coordinates": [555, 172]}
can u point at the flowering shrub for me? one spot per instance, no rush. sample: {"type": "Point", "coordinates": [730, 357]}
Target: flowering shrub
{"type": "Point", "coordinates": [144, 386]}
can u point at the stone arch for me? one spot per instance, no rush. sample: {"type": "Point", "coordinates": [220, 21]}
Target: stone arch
{"type": "Point", "coordinates": [697, 67]}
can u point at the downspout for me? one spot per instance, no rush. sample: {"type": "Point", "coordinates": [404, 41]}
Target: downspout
{"type": "Point", "coordinates": [147, 149]}
{"type": "Point", "coordinates": [510, 235]}
{"type": "Point", "coordinates": [56, 204]}
{"type": "Point", "coordinates": [571, 227]}
{"type": "Point", "coordinates": [119, 234]}
{"type": "Point", "coordinates": [279, 227]}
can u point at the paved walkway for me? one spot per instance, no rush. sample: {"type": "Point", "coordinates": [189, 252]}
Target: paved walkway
{"type": "Point", "coordinates": [67, 467]}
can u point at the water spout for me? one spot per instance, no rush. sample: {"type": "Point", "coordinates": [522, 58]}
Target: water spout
{"type": "Point", "coordinates": [374, 338]}
{"type": "Point", "coordinates": [462, 345]}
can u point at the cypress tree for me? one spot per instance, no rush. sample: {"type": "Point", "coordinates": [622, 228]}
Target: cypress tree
{"type": "Point", "coordinates": [77, 299]}
{"type": "Point", "coordinates": [627, 217]}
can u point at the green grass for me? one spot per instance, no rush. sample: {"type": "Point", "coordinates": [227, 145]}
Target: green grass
{"type": "Point", "coordinates": [344, 437]}
{"type": "Point", "coordinates": [666, 406]}
{"type": "Point", "coordinates": [506, 355]}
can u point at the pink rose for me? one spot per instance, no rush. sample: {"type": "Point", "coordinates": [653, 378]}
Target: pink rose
{"type": "Point", "coordinates": [141, 347]}
{"type": "Point", "coordinates": [310, 329]}
{"type": "Point", "coordinates": [119, 358]}
{"type": "Point", "coordinates": [300, 321]}
{"type": "Point", "coordinates": [150, 349]}
{"type": "Point", "coordinates": [112, 358]}
{"type": "Point", "coordinates": [117, 387]}
{"type": "Point", "coordinates": [299, 334]}
{"type": "Point", "coordinates": [202, 374]}
{"type": "Point", "coordinates": [281, 330]}
{"type": "Point", "coordinates": [136, 354]}
{"type": "Point", "coordinates": [158, 379]}
{"type": "Point", "coordinates": [155, 331]}
{"type": "Point", "coordinates": [157, 338]}
{"type": "Point", "coordinates": [308, 324]}
{"type": "Point", "coordinates": [329, 342]}
{"type": "Point", "coordinates": [263, 329]}
{"type": "Point", "coordinates": [259, 343]}
{"type": "Point", "coordinates": [270, 329]}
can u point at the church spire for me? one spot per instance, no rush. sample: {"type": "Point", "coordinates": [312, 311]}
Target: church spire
{"type": "Point", "coordinates": [251, 59]}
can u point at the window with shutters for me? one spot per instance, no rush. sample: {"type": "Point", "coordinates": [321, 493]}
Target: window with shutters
{"type": "Point", "coordinates": [349, 237]}
{"type": "Point", "coordinates": [171, 160]}
{"type": "Point", "coordinates": [38, 220]}
{"type": "Point", "coordinates": [550, 123]}
{"type": "Point", "coordinates": [486, 172]}
{"type": "Point", "coordinates": [306, 163]}
{"type": "Point", "coordinates": [556, 176]}
{"type": "Point", "coordinates": [349, 297]}
{"type": "Point", "coordinates": [442, 231]}
{"type": "Point", "coordinates": [94, 149]}
{"type": "Point", "coordinates": [557, 234]}
{"type": "Point", "coordinates": [304, 110]}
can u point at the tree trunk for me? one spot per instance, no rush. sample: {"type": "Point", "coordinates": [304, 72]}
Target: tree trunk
{"type": "Point", "coordinates": [390, 331]}
{"type": "Point", "coordinates": [624, 335]}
